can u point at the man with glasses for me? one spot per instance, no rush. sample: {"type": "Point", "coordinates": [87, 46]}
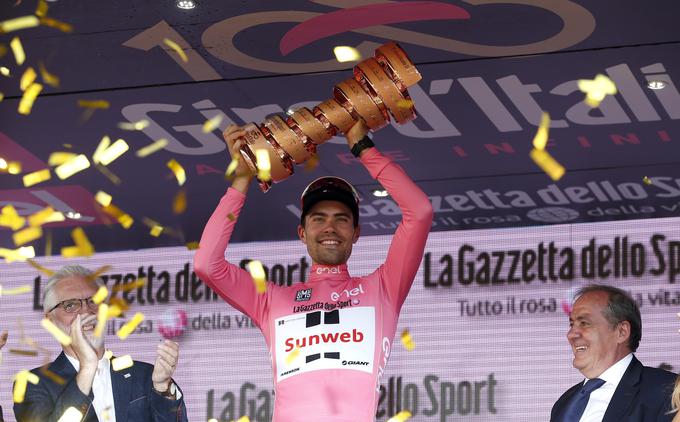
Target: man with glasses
{"type": "Point", "coordinates": [84, 378]}
{"type": "Point", "coordinates": [329, 339]}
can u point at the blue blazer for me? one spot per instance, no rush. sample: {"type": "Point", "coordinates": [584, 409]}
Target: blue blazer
{"type": "Point", "coordinates": [134, 398]}
{"type": "Point", "coordinates": [643, 395]}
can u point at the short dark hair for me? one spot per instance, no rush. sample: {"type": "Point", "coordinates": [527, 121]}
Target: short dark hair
{"type": "Point", "coordinates": [620, 307]}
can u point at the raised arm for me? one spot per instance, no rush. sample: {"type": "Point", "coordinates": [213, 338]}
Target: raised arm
{"type": "Point", "coordinates": [232, 283]}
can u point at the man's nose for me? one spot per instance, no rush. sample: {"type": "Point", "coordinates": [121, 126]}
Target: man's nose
{"type": "Point", "coordinates": [573, 333]}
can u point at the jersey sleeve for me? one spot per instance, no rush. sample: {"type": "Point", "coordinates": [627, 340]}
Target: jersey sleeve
{"type": "Point", "coordinates": [232, 283]}
{"type": "Point", "coordinates": [408, 243]}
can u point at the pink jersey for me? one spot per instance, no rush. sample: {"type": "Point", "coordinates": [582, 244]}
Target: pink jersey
{"type": "Point", "coordinates": [329, 338]}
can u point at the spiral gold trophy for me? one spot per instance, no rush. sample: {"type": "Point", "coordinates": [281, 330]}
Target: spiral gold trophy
{"type": "Point", "coordinates": [378, 90]}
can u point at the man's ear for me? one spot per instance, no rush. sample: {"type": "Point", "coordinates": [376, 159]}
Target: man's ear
{"type": "Point", "coordinates": [623, 331]}
{"type": "Point", "coordinates": [357, 233]}
{"type": "Point", "coordinates": [301, 233]}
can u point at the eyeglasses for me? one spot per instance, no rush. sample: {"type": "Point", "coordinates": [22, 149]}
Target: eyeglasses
{"type": "Point", "coordinates": [74, 305]}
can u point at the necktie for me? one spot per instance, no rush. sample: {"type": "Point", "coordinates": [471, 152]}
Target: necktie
{"type": "Point", "coordinates": [578, 402]}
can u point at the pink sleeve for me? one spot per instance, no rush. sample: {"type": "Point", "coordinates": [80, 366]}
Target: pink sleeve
{"type": "Point", "coordinates": [408, 243]}
{"type": "Point", "coordinates": [232, 283]}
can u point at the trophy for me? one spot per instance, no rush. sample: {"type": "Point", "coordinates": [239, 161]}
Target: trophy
{"type": "Point", "coordinates": [376, 93]}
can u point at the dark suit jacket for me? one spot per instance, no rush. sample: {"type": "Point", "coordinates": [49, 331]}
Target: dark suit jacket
{"type": "Point", "coordinates": [643, 395]}
{"type": "Point", "coordinates": [133, 396]}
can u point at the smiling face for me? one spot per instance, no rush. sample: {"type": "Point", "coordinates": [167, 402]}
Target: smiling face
{"type": "Point", "coordinates": [595, 343]}
{"type": "Point", "coordinates": [329, 233]}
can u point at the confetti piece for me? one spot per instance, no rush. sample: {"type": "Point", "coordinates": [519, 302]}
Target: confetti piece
{"type": "Point", "coordinates": [4, 71]}
{"type": "Point", "coordinates": [72, 166]}
{"type": "Point", "coordinates": [123, 219]}
{"type": "Point", "coordinates": [16, 24]}
{"type": "Point", "coordinates": [312, 163]}
{"type": "Point", "coordinates": [109, 174]}
{"type": "Point", "coordinates": [345, 53]}
{"type": "Point", "coordinates": [47, 77]}
{"type": "Point", "coordinates": [102, 313]}
{"type": "Point", "coordinates": [18, 50]}
{"type": "Point", "coordinates": [231, 217]}
{"type": "Point", "coordinates": [27, 100]}
{"type": "Point", "coordinates": [114, 311]}
{"type": "Point", "coordinates": [178, 170]}
{"type": "Point", "coordinates": [46, 271]}
{"type": "Point", "coordinates": [27, 78]}
{"type": "Point", "coordinates": [14, 167]}
{"type": "Point", "coordinates": [170, 43]}
{"type": "Point", "coordinates": [59, 157]}
{"type": "Point", "coordinates": [103, 198]}
{"type": "Point", "coordinates": [596, 89]}
{"type": "Point", "coordinates": [192, 246]}
{"type": "Point", "coordinates": [27, 235]}
{"type": "Point", "coordinates": [231, 168]}
{"type": "Point", "coordinates": [179, 203]}
{"type": "Point", "coordinates": [140, 125]}
{"type": "Point", "coordinates": [21, 254]}
{"type": "Point", "coordinates": [53, 23]}
{"type": "Point", "coordinates": [15, 290]}
{"type": "Point", "coordinates": [541, 138]}
{"type": "Point", "coordinates": [10, 218]}
{"type": "Point", "coordinates": [48, 242]}
{"type": "Point", "coordinates": [44, 216]}
{"type": "Point", "coordinates": [83, 246]}
{"type": "Point", "coordinates": [646, 180]}
{"type": "Point", "coordinates": [257, 273]}
{"type": "Point", "coordinates": [36, 177]}
{"type": "Point", "coordinates": [106, 155]}
{"type": "Point", "coordinates": [23, 352]}
{"type": "Point", "coordinates": [71, 415]}
{"type": "Point", "coordinates": [243, 419]}
{"type": "Point", "coordinates": [263, 165]}
{"type": "Point", "coordinates": [547, 163]}
{"type": "Point", "coordinates": [404, 103]}
{"type": "Point", "coordinates": [51, 375]}
{"type": "Point", "coordinates": [156, 231]}
{"type": "Point", "coordinates": [407, 341]}
{"type": "Point", "coordinates": [212, 123]}
{"type": "Point", "coordinates": [61, 337]}
{"type": "Point", "coordinates": [100, 296]}
{"type": "Point", "coordinates": [125, 287]}
{"type": "Point", "coordinates": [130, 326]}
{"type": "Point", "coordinates": [108, 354]}
{"type": "Point", "coordinates": [294, 354]}
{"type": "Point", "coordinates": [95, 104]}
{"type": "Point", "coordinates": [21, 381]}
{"type": "Point", "coordinates": [402, 416]}
{"type": "Point", "coordinates": [41, 10]}
{"type": "Point", "coordinates": [151, 148]}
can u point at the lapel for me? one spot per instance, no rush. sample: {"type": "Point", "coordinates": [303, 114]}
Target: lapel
{"type": "Point", "coordinates": [564, 401]}
{"type": "Point", "coordinates": [625, 394]}
{"type": "Point", "coordinates": [63, 368]}
{"type": "Point", "coordinates": [122, 390]}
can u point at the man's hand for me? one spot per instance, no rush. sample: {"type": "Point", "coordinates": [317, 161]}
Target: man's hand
{"type": "Point", "coordinates": [3, 339]}
{"type": "Point", "coordinates": [85, 354]}
{"type": "Point", "coordinates": [167, 355]}
{"type": "Point", "coordinates": [356, 133]}
{"type": "Point", "coordinates": [242, 175]}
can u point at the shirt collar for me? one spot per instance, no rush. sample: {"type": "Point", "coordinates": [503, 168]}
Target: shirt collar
{"type": "Point", "coordinates": [103, 363]}
{"type": "Point", "coordinates": [614, 373]}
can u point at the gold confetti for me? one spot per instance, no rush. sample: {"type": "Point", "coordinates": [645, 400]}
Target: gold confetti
{"type": "Point", "coordinates": [140, 125]}
{"type": "Point", "coordinates": [46, 271]}
{"type": "Point", "coordinates": [192, 246]}
{"type": "Point", "coordinates": [151, 148]}
{"type": "Point", "coordinates": [18, 50]}
{"type": "Point", "coordinates": [102, 313]}
{"type": "Point", "coordinates": [71, 415]}
{"type": "Point", "coordinates": [95, 104]}
{"type": "Point", "coordinates": [3, 164]}
{"type": "Point", "coordinates": [405, 103]}
{"type": "Point", "coordinates": [3, 50]}
{"type": "Point", "coordinates": [15, 290]}
{"type": "Point", "coordinates": [47, 77]}
{"type": "Point", "coordinates": [21, 381]}
{"type": "Point", "coordinates": [23, 352]}
{"type": "Point", "coordinates": [212, 123]}
{"type": "Point", "coordinates": [243, 419]}
{"type": "Point", "coordinates": [541, 138]}
{"type": "Point", "coordinates": [170, 43]}
{"type": "Point", "coordinates": [26, 235]}
{"type": "Point", "coordinates": [646, 180]}
{"type": "Point", "coordinates": [14, 167]}
{"type": "Point", "coordinates": [123, 219]}
{"type": "Point", "coordinates": [83, 246]}
{"type": "Point", "coordinates": [108, 354]}
{"type": "Point", "coordinates": [59, 157]}
{"type": "Point", "coordinates": [294, 354]}
{"type": "Point", "coordinates": [48, 242]}
{"type": "Point", "coordinates": [36, 177]}
{"type": "Point", "coordinates": [140, 282]}
{"type": "Point", "coordinates": [103, 198]}
{"type": "Point", "coordinates": [100, 296]}
{"type": "Point", "coordinates": [402, 416]}
{"type": "Point", "coordinates": [345, 53]}
{"type": "Point", "coordinates": [114, 311]}
{"type": "Point", "coordinates": [10, 218]}
{"type": "Point", "coordinates": [51, 375]}
{"type": "Point", "coordinates": [61, 336]}
{"type": "Point", "coordinates": [44, 216]}
{"type": "Point", "coordinates": [16, 24]}
{"type": "Point", "coordinates": [257, 273]}
{"type": "Point", "coordinates": [178, 170]}
{"type": "Point", "coordinates": [156, 231]}
{"type": "Point", "coordinates": [231, 217]}
{"type": "Point", "coordinates": [179, 203]}
{"type": "Point", "coordinates": [53, 23]}
{"type": "Point", "coordinates": [113, 178]}
{"type": "Point", "coordinates": [97, 273]}
{"type": "Point", "coordinates": [407, 341]}
{"type": "Point", "coordinates": [107, 154]}
{"type": "Point", "coordinates": [21, 254]}
{"type": "Point", "coordinates": [312, 163]}
{"type": "Point", "coordinates": [27, 100]}
{"type": "Point", "coordinates": [41, 10]}
{"type": "Point", "coordinates": [130, 326]}
{"type": "Point", "coordinates": [4, 71]}
{"type": "Point", "coordinates": [27, 78]}
{"type": "Point", "coordinates": [547, 163]}
{"type": "Point", "coordinates": [121, 363]}
{"type": "Point", "coordinates": [596, 89]}
{"type": "Point", "coordinates": [72, 166]}
{"type": "Point", "coordinates": [263, 165]}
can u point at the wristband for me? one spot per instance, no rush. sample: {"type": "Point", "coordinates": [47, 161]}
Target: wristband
{"type": "Point", "coordinates": [363, 144]}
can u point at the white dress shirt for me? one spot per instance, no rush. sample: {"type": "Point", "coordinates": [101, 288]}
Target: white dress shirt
{"type": "Point", "coordinates": [102, 389]}
{"type": "Point", "coordinates": [600, 398]}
